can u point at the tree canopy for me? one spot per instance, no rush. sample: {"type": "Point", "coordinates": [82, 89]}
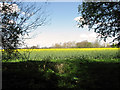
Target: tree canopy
{"type": "Point", "coordinates": [17, 20]}
{"type": "Point", "coordinates": [103, 17]}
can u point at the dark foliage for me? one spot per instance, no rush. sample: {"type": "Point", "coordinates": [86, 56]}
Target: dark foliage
{"type": "Point", "coordinates": [76, 74]}
{"type": "Point", "coordinates": [103, 17]}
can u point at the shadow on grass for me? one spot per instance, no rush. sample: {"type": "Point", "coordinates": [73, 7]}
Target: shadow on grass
{"type": "Point", "coordinates": [65, 74]}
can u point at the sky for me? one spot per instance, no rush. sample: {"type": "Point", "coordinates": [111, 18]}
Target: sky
{"type": "Point", "coordinates": [61, 28]}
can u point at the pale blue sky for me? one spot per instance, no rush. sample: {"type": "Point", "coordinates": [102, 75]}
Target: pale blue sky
{"type": "Point", "coordinates": [62, 27]}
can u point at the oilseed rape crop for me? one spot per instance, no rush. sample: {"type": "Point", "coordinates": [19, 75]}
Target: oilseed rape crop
{"type": "Point", "coordinates": [71, 53]}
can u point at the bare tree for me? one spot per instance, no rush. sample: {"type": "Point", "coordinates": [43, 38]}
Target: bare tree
{"type": "Point", "coordinates": [19, 19]}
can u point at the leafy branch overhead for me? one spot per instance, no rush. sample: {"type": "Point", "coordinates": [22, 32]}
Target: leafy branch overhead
{"type": "Point", "coordinates": [103, 17]}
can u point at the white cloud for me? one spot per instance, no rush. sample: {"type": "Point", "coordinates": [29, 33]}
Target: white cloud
{"type": "Point", "coordinates": [89, 36]}
{"type": "Point", "coordinates": [79, 19]}
{"type": "Point", "coordinates": [83, 36]}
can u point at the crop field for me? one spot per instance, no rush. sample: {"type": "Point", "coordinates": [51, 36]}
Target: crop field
{"type": "Point", "coordinates": [93, 54]}
{"type": "Point", "coordinates": [84, 68]}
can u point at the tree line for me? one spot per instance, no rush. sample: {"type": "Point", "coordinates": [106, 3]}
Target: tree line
{"type": "Point", "coordinates": [73, 44]}
{"type": "Point", "coordinates": [82, 44]}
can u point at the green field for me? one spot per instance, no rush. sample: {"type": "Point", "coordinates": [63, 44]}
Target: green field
{"type": "Point", "coordinates": [91, 68]}
{"type": "Point", "coordinates": [93, 54]}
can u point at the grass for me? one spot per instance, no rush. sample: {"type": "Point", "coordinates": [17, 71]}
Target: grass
{"type": "Point", "coordinates": [64, 68]}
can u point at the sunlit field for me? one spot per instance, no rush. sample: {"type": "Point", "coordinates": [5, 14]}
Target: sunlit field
{"type": "Point", "coordinates": [93, 54]}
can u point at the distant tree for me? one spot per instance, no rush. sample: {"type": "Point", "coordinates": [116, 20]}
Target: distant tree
{"type": "Point", "coordinates": [34, 47]}
{"type": "Point", "coordinates": [57, 45]}
{"type": "Point", "coordinates": [103, 17]}
{"type": "Point", "coordinates": [108, 45]}
{"type": "Point", "coordinates": [17, 20]}
{"type": "Point", "coordinates": [114, 45]}
{"type": "Point", "coordinates": [96, 44]}
{"type": "Point", "coordinates": [69, 44]}
{"type": "Point", "coordinates": [84, 44]}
